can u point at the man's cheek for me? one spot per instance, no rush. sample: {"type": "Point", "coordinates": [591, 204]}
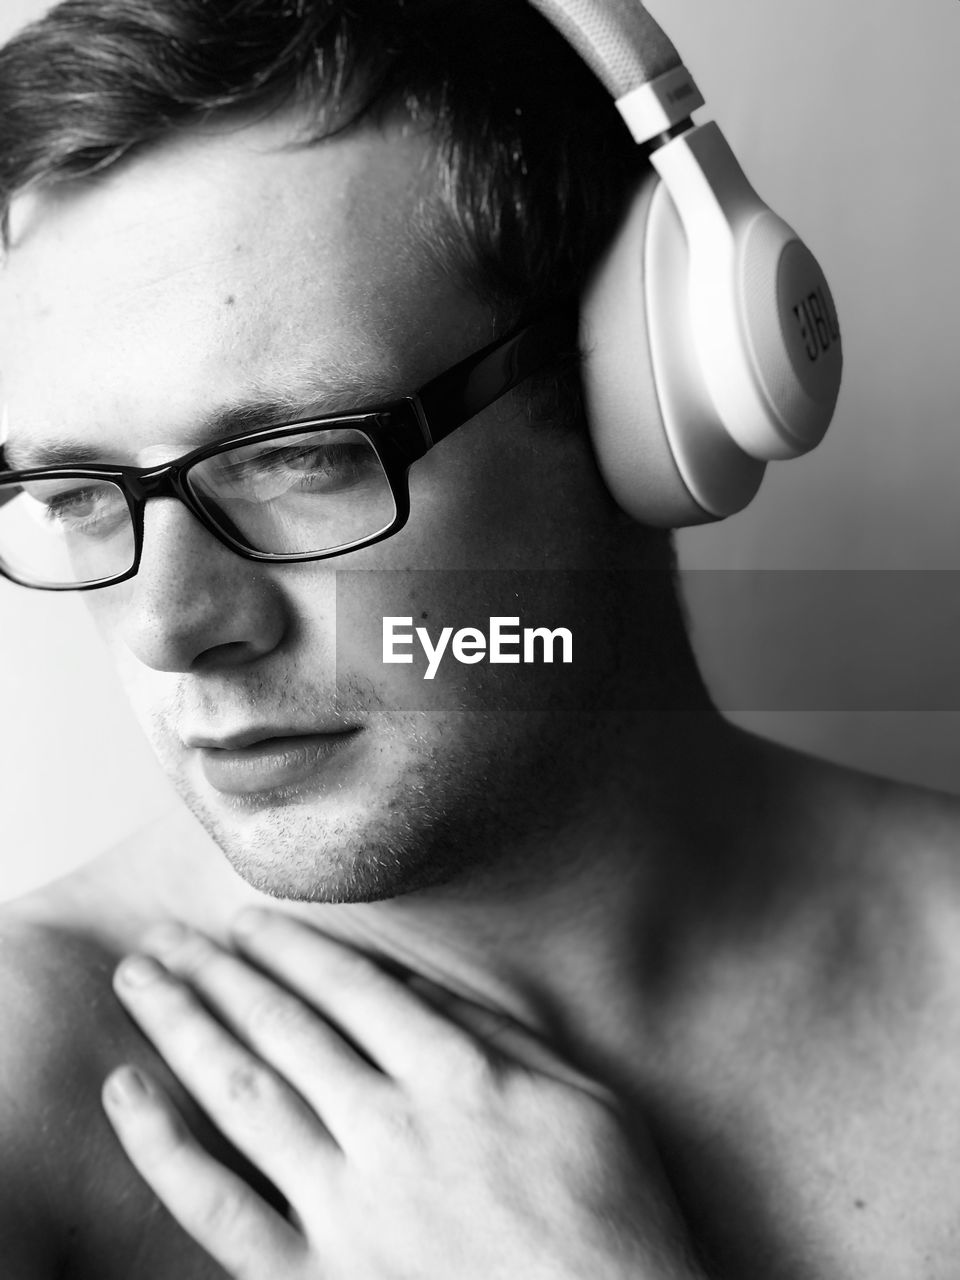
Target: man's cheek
{"type": "Point", "coordinates": [417, 611]}
{"type": "Point", "coordinates": [108, 610]}
{"type": "Point", "coordinates": [439, 640]}
{"type": "Point", "coordinates": [153, 697]}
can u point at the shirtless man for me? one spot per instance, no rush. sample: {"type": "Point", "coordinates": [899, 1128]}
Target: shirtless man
{"type": "Point", "coordinates": [753, 952]}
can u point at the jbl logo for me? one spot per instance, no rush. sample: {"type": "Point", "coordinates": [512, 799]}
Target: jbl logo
{"type": "Point", "coordinates": [819, 328]}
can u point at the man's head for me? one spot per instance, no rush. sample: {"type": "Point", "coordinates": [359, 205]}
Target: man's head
{"type": "Point", "coordinates": [322, 206]}
{"type": "Point", "coordinates": [532, 165]}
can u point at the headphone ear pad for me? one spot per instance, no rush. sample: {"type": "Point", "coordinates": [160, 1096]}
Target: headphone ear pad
{"type": "Point", "coordinates": [660, 446]}
{"type": "Point", "coordinates": [623, 408]}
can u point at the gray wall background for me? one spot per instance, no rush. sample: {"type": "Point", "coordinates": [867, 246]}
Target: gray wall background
{"type": "Point", "coordinates": [824, 615]}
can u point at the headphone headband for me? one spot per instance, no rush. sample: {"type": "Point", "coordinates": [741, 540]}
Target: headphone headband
{"type": "Point", "coordinates": [632, 58]}
{"type": "Point", "coordinates": [618, 40]}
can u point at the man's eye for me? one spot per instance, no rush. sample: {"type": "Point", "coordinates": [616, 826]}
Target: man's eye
{"type": "Point", "coordinates": [304, 467]}
{"type": "Point", "coordinates": [76, 504]}
{"type": "Point", "coordinates": [91, 511]}
{"type": "Point", "coordinates": [333, 465]}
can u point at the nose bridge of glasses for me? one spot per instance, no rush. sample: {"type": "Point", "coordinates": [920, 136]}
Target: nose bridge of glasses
{"type": "Point", "coordinates": [167, 481]}
{"type": "Point", "coordinates": [155, 482]}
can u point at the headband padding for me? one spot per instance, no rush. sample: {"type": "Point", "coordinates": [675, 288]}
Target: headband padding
{"type": "Point", "coordinates": [617, 39]}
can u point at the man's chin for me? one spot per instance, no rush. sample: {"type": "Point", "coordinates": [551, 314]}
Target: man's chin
{"type": "Point", "coordinates": [332, 851]}
{"type": "Point", "coordinates": [418, 803]}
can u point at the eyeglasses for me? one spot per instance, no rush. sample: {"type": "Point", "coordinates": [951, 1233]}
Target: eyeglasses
{"type": "Point", "coordinates": [306, 490]}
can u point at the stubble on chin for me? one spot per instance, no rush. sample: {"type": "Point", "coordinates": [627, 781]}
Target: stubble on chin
{"type": "Point", "coordinates": [431, 805]}
{"type": "Point", "coordinates": [391, 831]}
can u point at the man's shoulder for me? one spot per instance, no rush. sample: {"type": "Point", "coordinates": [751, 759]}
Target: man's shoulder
{"type": "Point", "coordinates": [863, 961]}
{"type": "Point", "coordinates": [927, 875]}
{"type": "Point", "coordinates": [62, 1028]}
{"type": "Point", "coordinates": [54, 990]}
{"type": "Point", "coordinates": [879, 981]}
{"type": "Point", "coordinates": [58, 1027]}
{"type": "Point", "coordinates": [895, 875]}
{"type": "Point", "coordinates": [70, 1203]}
{"type": "Point", "coordinates": [916, 848]}
{"type": "Point", "coordinates": [882, 849]}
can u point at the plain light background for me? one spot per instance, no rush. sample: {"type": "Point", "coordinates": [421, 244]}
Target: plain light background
{"type": "Point", "coordinates": [845, 117]}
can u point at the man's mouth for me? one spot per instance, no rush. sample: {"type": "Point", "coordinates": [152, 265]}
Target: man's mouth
{"type": "Point", "coordinates": [271, 763]}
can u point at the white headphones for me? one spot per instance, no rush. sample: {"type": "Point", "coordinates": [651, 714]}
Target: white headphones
{"type": "Point", "coordinates": [711, 342]}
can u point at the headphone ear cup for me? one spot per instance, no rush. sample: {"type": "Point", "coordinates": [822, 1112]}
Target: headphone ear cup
{"type": "Point", "coordinates": [663, 452]}
{"type": "Point", "coordinates": [762, 320]}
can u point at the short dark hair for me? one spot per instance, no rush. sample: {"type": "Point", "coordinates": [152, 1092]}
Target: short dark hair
{"type": "Point", "coordinates": [535, 163]}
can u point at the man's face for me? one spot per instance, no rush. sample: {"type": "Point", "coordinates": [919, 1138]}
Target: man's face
{"type": "Point", "coordinates": [226, 268]}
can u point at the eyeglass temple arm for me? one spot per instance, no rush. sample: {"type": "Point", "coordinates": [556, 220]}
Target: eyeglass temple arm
{"type": "Point", "coordinates": [457, 395]}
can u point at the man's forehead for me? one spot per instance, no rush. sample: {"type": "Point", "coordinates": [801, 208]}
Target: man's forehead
{"type": "Point", "coordinates": [178, 290]}
{"type": "Point", "coordinates": [224, 208]}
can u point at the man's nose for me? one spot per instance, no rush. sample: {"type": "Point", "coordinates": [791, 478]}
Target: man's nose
{"type": "Point", "coordinates": [194, 603]}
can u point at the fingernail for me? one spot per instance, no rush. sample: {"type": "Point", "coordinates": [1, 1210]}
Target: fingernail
{"type": "Point", "coordinates": [139, 971]}
{"type": "Point", "coordinates": [126, 1087]}
{"type": "Point", "coordinates": [167, 937]}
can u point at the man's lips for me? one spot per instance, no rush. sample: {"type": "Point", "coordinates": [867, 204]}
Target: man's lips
{"type": "Point", "coordinates": [265, 764]}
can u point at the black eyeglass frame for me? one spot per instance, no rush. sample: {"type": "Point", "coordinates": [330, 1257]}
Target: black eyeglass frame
{"type": "Point", "coordinates": [400, 433]}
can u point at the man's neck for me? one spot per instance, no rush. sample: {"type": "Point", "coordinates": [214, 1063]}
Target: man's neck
{"type": "Point", "coordinates": [581, 932]}
{"type": "Point", "coordinates": [594, 927]}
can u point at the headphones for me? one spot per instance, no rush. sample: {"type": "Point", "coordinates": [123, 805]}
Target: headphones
{"type": "Point", "coordinates": [710, 336]}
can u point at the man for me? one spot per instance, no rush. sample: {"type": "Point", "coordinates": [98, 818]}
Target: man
{"type": "Point", "coordinates": [225, 219]}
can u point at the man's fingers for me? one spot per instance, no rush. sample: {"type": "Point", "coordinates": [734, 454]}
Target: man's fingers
{"type": "Point", "coordinates": [412, 1028]}
{"type": "Point", "coordinates": [243, 1234]}
{"type": "Point", "coordinates": [277, 1026]}
{"type": "Point", "coordinates": [379, 1013]}
{"type": "Point", "coordinates": [247, 1100]}
{"type": "Point", "coordinates": [508, 1038]}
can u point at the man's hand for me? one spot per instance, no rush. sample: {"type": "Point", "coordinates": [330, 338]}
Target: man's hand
{"type": "Point", "coordinates": [412, 1137]}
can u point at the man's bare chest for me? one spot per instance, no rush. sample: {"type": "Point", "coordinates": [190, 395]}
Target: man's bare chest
{"type": "Point", "coordinates": [851, 1175]}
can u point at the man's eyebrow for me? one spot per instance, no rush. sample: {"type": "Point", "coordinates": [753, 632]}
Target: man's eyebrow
{"type": "Point", "coordinates": [54, 453]}
{"type": "Point", "coordinates": [313, 400]}
{"type": "Point", "coordinates": [259, 412]}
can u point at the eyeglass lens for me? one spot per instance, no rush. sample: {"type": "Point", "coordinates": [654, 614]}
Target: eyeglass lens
{"type": "Point", "coordinates": [297, 495]}
{"type": "Point", "coordinates": [63, 532]}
